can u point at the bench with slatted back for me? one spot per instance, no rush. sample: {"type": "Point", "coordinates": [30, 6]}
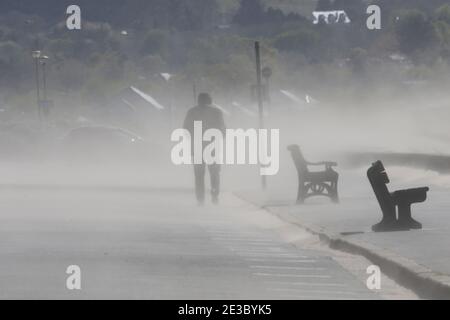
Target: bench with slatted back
{"type": "Point", "coordinates": [314, 183]}
{"type": "Point", "coordinates": [389, 202]}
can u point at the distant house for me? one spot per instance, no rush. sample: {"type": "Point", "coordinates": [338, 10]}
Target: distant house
{"type": "Point", "coordinates": [133, 108]}
{"type": "Point", "coordinates": [133, 100]}
{"type": "Point", "coordinates": [331, 17]}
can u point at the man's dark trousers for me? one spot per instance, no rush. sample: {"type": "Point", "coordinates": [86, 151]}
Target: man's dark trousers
{"type": "Point", "coordinates": [214, 173]}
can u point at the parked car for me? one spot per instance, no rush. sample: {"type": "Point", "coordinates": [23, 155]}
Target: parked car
{"type": "Point", "coordinates": [102, 143]}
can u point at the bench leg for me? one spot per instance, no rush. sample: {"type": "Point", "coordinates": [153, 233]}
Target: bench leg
{"type": "Point", "coordinates": [301, 193]}
{"type": "Point", "coordinates": [335, 194]}
{"type": "Point", "coordinates": [404, 217]}
{"type": "Point", "coordinates": [386, 225]}
{"type": "Point", "coordinates": [389, 222]}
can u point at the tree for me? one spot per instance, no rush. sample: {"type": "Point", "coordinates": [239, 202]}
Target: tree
{"type": "Point", "coordinates": [302, 41]}
{"type": "Point", "coordinates": [415, 31]}
{"type": "Point", "coordinates": [358, 61]}
{"type": "Point", "coordinates": [355, 9]}
{"type": "Point", "coordinates": [250, 12]}
{"type": "Point", "coordinates": [324, 5]}
{"type": "Point", "coordinates": [443, 14]}
{"type": "Point", "coordinates": [155, 43]}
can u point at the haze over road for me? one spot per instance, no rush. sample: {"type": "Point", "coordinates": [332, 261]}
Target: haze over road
{"type": "Point", "coordinates": [156, 244]}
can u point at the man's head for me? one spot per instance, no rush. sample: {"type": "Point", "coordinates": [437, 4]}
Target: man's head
{"type": "Point", "coordinates": [204, 99]}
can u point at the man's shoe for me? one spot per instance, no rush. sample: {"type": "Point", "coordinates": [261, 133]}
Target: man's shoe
{"type": "Point", "coordinates": [215, 200]}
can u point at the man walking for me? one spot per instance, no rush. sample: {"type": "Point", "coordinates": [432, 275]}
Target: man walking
{"type": "Point", "coordinates": [211, 118]}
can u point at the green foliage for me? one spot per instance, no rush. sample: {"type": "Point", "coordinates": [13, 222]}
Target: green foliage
{"type": "Point", "coordinates": [358, 60]}
{"type": "Point", "coordinates": [324, 5]}
{"type": "Point", "coordinates": [415, 31]}
{"type": "Point", "coordinates": [443, 13]}
{"type": "Point", "coordinates": [250, 12]}
{"type": "Point", "coordinates": [13, 65]}
{"type": "Point", "coordinates": [154, 43]}
{"type": "Point", "coordinates": [302, 41]}
{"type": "Point", "coordinates": [183, 37]}
{"type": "Point", "coordinates": [152, 64]}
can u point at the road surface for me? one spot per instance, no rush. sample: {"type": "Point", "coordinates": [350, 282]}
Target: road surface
{"type": "Point", "coordinates": [150, 243]}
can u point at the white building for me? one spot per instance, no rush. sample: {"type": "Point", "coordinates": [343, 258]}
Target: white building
{"type": "Point", "coordinates": [329, 17]}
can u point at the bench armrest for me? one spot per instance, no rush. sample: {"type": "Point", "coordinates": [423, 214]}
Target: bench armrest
{"type": "Point", "coordinates": [327, 164]}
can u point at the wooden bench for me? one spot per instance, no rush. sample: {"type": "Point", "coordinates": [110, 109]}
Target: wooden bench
{"type": "Point", "coordinates": [403, 199]}
{"type": "Point", "coordinates": [320, 183]}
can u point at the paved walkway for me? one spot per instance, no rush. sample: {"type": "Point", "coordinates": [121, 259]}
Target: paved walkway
{"type": "Point", "coordinates": [150, 244]}
{"type": "Point", "coordinates": [358, 211]}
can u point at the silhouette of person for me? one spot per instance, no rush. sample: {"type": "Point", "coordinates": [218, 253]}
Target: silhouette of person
{"type": "Point", "coordinates": [211, 118]}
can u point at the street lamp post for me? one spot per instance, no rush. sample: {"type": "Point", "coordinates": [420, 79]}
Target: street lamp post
{"type": "Point", "coordinates": [44, 75]}
{"type": "Point", "coordinates": [36, 56]}
{"type": "Point", "coordinates": [45, 104]}
{"type": "Point", "coordinates": [267, 73]}
{"type": "Point", "coordinates": [260, 97]}
{"type": "Point", "coordinates": [41, 60]}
